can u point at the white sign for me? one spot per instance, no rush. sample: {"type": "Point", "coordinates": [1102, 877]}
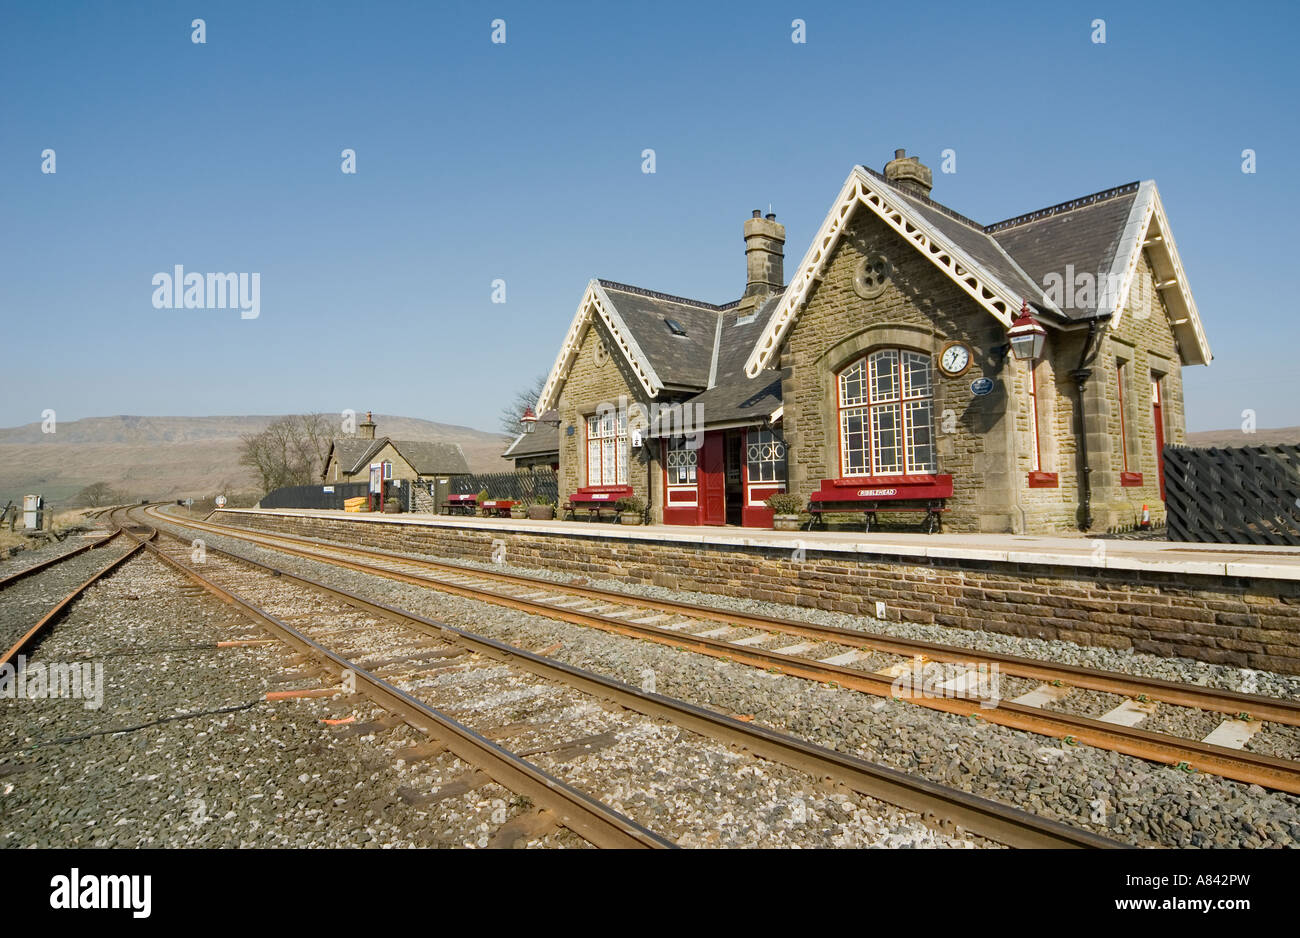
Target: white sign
{"type": "Point", "coordinates": [189, 502]}
{"type": "Point", "coordinates": [876, 493]}
{"type": "Point", "coordinates": [220, 501]}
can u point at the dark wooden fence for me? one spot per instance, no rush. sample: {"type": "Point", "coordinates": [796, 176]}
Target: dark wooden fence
{"type": "Point", "coordinates": [522, 485]}
{"type": "Point", "coordinates": [316, 496]}
{"type": "Point", "coordinates": [1236, 495]}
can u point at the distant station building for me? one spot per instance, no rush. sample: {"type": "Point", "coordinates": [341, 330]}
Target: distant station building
{"type": "Point", "coordinates": [539, 449]}
{"type": "Point", "coordinates": [895, 362]}
{"type": "Point", "coordinates": [350, 457]}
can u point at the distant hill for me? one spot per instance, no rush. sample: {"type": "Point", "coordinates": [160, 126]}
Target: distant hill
{"type": "Point", "coordinates": [1235, 437]}
{"type": "Point", "coordinates": [177, 457]}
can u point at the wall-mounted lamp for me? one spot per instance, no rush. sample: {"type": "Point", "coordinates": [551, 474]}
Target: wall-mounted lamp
{"type": "Point", "coordinates": [1025, 337]}
{"type": "Point", "coordinates": [529, 420]}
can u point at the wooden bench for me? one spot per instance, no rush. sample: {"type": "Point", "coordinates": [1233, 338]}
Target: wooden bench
{"type": "Point", "coordinates": [500, 507]}
{"type": "Point", "coordinates": [461, 504]}
{"type": "Point", "coordinates": [868, 496]}
{"type": "Point", "coordinates": [596, 502]}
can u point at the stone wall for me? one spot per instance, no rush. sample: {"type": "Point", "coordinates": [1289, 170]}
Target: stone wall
{"type": "Point", "coordinates": [1146, 342]}
{"type": "Point", "coordinates": [595, 379]}
{"type": "Point", "coordinates": [985, 443]}
{"type": "Point", "coordinates": [1239, 621]}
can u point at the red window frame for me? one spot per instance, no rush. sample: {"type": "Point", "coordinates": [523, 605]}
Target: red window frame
{"type": "Point", "coordinates": [1123, 412]}
{"type": "Point", "coordinates": [868, 406]}
{"type": "Point", "coordinates": [620, 433]}
{"type": "Point", "coordinates": [1033, 413]}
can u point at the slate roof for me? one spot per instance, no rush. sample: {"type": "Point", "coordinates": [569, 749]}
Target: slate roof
{"type": "Point", "coordinates": [543, 441]}
{"type": "Point", "coordinates": [426, 458]}
{"type": "Point", "coordinates": [354, 452]}
{"type": "Point", "coordinates": [709, 359]}
{"type": "Point", "coordinates": [1086, 234]}
{"type": "Point", "coordinates": [733, 396]}
{"type": "Point", "coordinates": [680, 361]}
{"type": "Point", "coordinates": [429, 458]}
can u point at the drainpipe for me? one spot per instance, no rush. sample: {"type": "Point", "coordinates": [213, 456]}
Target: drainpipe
{"type": "Point", "coordinates": [1081, 374]}
{"type": "Point", "coordinates": [649, 477]}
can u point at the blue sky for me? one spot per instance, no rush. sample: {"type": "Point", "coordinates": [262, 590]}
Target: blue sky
{"type": "Point", "coordinates": [522, 161]}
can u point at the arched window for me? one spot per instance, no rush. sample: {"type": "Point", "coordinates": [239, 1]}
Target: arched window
{"type": "Point", "coordinates": [886, 404]}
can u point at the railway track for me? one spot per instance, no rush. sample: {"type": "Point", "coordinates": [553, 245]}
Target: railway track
{"type": "Point", "coordinates": [23, 574]}
{"type": "Point", "coordinates": [393, 679]}
{"type": "Point", "coordinates": [868, 662]}
{"type": "Point", "coordinates": [27, 639]}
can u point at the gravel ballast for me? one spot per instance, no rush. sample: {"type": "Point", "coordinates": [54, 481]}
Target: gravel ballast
{"type": "Point", "coordinates": [1127, 798]}
{"type": "Point", "coordinates": [200, 757]}
{"type": "Point", "coordinates": [690, 789]}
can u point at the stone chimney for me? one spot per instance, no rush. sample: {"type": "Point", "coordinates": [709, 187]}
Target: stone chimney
{"type": "Point", "coordinates": [764, 258]}
{"type": "Point", "coordinates": [366, 430]}
{"type": "Point", "coordinates": [909, 174]}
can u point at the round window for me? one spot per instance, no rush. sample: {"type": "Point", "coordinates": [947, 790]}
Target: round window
{"type": "Point", "coordinates": [872, 276]}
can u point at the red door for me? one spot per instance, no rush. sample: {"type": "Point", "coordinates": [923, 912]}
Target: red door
{"type": "Point", "coordinates": [713, 480]}
{"type": "Point", "coordinates": [1159, 419]}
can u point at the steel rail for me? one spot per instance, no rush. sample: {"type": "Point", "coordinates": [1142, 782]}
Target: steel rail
{"type": "Point", "coordinates": [1238, 764]}
{"type": "Point", "coordinates": [1001, 823]}
{"type": "Point", "coordinates": [46, 621]}
{"type": "Point", "coordinates": [592, 820]}
{"type": "Point", "coordinates": [1234, 703]}
{"type": "Point", "coordinates": [53, 561]}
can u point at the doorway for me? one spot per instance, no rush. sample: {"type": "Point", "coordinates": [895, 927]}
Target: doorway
{"type": "Point", "coordinates": [735, 483]}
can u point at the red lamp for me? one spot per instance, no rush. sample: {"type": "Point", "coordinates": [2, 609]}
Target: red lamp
{"type": "Point", "coordinates": [1026, 335]}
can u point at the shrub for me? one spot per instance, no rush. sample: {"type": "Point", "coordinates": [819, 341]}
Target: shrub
{"type": "Point", "coordinates": [784, 503]}
{"type": "Point", "coordinates": [482, 497]}
{"type": "Point", "coordinates": [633, 503]}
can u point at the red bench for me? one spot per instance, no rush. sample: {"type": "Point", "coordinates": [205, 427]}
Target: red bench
{"type": "Point", "coordinates": [497, 506]}
{"type": "Point", "coordinates": [869, 495]}
{"type": "Point", "coordinates": [594, 498]}
{"type": "Point", "coordinates": [461, 504]}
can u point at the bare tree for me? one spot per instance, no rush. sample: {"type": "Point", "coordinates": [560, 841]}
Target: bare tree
{"type": "Point", "coordinates": [290, 451]}
{"type": "Point", "coordinates": [524, 398]}
{"type": "Point", "coordinates": [96, 494]}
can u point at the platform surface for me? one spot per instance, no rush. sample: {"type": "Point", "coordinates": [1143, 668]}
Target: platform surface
{"type": "Point", "coordinates": [1267, 562]}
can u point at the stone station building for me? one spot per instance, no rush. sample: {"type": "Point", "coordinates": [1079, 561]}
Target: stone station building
{"type": "Point", "coordinates": [883, 367]}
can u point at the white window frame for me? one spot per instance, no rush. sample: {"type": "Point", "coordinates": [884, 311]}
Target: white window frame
{"type": "Point", "coordinates": [607, 448]}
{"type": "Point", "coordinates": [765, 449]}
{"type": "Point", "coordinates": [890, 385]}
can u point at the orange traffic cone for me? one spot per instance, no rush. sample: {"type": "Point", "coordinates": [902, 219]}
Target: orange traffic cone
{"type": "Point", "coordinates": [1146, 517]}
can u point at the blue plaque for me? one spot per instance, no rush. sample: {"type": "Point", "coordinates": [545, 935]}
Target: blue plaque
{"type": "Point", "coordinates": [981, 386]}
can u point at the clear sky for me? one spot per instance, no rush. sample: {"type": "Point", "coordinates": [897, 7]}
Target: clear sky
{"type": "Point", "coordinates": [522, 161]}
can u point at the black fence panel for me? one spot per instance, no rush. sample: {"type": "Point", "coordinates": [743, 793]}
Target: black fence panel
{"type": "Point", "coordinates": [521, 486]}
{"type": "Point", "coordinates": [321, 496]}
{"type": "Point", "coordinates": [1235, 495]}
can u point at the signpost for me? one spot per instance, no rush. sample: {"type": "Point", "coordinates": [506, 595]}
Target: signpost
{"type": "Point", "coordinates": [220, 501]}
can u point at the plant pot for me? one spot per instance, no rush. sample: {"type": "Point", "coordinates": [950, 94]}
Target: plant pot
{"type": "Point", "coordinates": [629, 517]}
{"type": "Point", "coordinates": [541, 512]}
{"type": "Point", "coordinates": [785, 522]}
{"type": "Point", "coordinates": [519, 513]}
{"type": "Point", "coordinates": [392, 507]}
